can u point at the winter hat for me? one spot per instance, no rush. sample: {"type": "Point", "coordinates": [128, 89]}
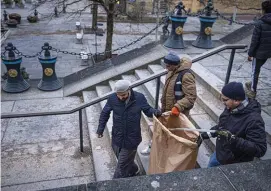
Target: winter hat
{"type": "Point", "coordinates": [234, 90]}
{"type": "Point", "coordinates": [122, 86]}
{"type": "Point", "coordinates": [172, 59]}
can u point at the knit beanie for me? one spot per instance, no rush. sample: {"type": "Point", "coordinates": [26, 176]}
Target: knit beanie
{"type": "Point", "coordinates": [122, 86]}
{"type": "Point", "coordinates": [234, 90]}
{"type": "Point", "coordinates": [172, 59]}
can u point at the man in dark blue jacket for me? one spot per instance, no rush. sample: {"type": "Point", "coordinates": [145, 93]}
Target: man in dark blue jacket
{"type": "Point", "coordinates": [260, 47]}
{"type": "Point", "coordinates": [126, 105]}
{"type": "Point", "coordinates": [240, 130]}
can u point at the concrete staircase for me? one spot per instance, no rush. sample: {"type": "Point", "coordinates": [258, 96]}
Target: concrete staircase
{"type": "Point", "coordinates": [42, 152]}
{"type": "Point", "coordinates": [204, 114]}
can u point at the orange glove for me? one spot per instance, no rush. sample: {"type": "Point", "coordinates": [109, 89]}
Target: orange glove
{"type": "Point", "coordinates": [175, 111]}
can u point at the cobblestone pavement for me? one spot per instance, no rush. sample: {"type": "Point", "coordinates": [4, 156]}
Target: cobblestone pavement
{"type": "Point", "coordinates": [60, 32]}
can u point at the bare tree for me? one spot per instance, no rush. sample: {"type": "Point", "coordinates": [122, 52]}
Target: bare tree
{"type": "Point", "coordinates": [108, 5]}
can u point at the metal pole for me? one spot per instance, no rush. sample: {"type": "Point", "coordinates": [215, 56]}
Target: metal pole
{"type": "Point", "coordinates": [234, 13]}
{"type": "Point", "coordinates": [81, 131]}
{"type": "Point", "coordinates": [230, 67]}
{"type": "Point", "coordinates": [64, 7]}
{"type": "Point", "coordinates": [157, 19]}
{"type": "Point", "coordinates": [157, 92]}
{"type": "Point", "coordinates": [96, 43]}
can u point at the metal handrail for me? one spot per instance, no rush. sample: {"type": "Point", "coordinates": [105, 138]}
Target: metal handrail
{"type": "Point", "coordinates": [135, 84]}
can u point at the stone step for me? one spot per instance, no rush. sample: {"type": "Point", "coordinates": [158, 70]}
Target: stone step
{"type": "Point", "coordinates": [211, 105]}
{"type": "Point", "coordinates": [204, 153]}
{"type": "Point", "coordinates": [132, 78]}
{"type": "Point", "coordinates": [213, 84]}
{"type": "Point", "coordinates": [104, 161]}
{"type": "Point", "coordinates": [152, 55]}
{"type": "Point", "coordinates": [149, 87]}
{"type": "Point", "coordinates": [208, 92]}
{"type": "Point", "coordinates": [146, 124]}
{"type": "Point", "coordinates": [43, 152]}
{"type": "Point", "coordinates": [143, 73]}
{"type": "Point", "coordinates": [140, 159]}
{"type": "Point", "coordinates": [101, 90]}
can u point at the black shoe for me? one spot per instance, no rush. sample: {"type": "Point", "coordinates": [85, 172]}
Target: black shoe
{"type": "Point", "coordinates": [137, 171]}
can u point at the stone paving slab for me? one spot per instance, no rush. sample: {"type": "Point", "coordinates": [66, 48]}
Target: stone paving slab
{"type": "Point", "coordinates": [243, 74]}
{"type": "Point", "coordinates": [185, 180]}
{"type": "Point", "coordinates": [267, 109]}
{"type": "Point", "coordinates": [32, 93]}
{"type": "Point", "coordinates": [153, 55]}
{"type": "Point", "coordinates": [29, 163]}
{"type": "Point", "coordinates": [43, 152]}
{"type": "Point", "coordinates": [60, 33]}
{"type": "Point", "coordinates": [50, 184]}
{"type": "Point", "coordinates": [104, 159]}
{"type": "Point", "coordinates": [6, 107]}
{"type": "Point", "coordinates": [249, 176]}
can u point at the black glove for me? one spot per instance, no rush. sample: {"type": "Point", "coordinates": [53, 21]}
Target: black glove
{"type": "Point", "coordinates": [157, 113]}
{"type": "Point", "coordinates": [229, 136]}
{"type": "Point", "coordinates": [205, 135]}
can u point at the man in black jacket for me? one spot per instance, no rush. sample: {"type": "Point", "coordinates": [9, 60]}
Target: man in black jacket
{"type": "Point", "coordinates": [126, 105]}
{"type": "Point", "coordinates": [240, 130]}
{"type": "Point", "coordinates": [260, 47]}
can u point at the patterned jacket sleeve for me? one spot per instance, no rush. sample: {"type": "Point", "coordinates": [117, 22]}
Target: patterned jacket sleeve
{"type": "Point", "coordinates": [190, 92]}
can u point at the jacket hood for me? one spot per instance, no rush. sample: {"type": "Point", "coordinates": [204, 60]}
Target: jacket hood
{"type": "Point", "coordinates": [252, 106]}
{"type": "Point", "coordinates": [266, 18]}
{"type": "Point", "coordinates": [186, 63]}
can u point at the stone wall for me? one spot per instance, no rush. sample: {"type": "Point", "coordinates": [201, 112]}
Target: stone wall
{"type": "Point", "coordinates": [224, 6]}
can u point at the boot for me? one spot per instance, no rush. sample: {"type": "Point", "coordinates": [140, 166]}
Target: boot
{"type": "Point", "coordinates": [249, 92]}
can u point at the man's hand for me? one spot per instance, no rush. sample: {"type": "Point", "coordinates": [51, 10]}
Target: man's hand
{"type": "Point", "coordinates": [157, 113]}
{"type": "Point", "coordinates": [229, 136]}
{"type": "Point", "coordinates": [99, 135]}
{"type": "Point", "coordinates": [175, 111]}
{"type": "Point", "coordinates": [249, 58]}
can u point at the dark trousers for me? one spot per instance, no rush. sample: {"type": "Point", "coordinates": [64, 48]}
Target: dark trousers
{"type": "Point", "coordinates": [126, 166]}
{"type": "Point", "coordinates": [213, 161]}
{"type": "Point", "coordinates": [256, 68]}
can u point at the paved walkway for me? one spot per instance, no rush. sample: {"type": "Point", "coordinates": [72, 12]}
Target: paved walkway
{"type": "Point", "coordinates": [60, 33]}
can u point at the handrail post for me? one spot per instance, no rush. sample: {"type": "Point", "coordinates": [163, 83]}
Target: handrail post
{"type": "Point", "coordinates": [157, 92]}
{"type": "Point", "coordinates": [230, 66]}
{"type": "Point", "coordinates": [81, 131]}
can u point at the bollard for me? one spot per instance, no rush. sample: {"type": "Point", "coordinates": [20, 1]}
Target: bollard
{"type": "Point", "coordinates": [49, 81]}
{"type": "Point", "coordinates": [5, 15]}
{"type": "Point", "coordinates": [204, 39]}
{"type": "Point", "coordinates": [15, 83]}
{"type": "Point", "coordinates": [36, 13]}
{"type": "Point", "coordinates": [175, 40]}
{"type": "Point", "coordinates": [55, 10]}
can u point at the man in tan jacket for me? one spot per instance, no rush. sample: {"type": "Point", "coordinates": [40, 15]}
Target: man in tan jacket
{"type": "Point", "coordinates": [180, 92]}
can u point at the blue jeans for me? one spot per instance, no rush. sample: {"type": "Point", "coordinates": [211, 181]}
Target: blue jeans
{"type": "Point", "coordinates": [213, 161]}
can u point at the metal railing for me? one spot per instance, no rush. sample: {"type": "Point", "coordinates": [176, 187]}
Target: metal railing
{"type": "Point", "coordinates": [157, 76]}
